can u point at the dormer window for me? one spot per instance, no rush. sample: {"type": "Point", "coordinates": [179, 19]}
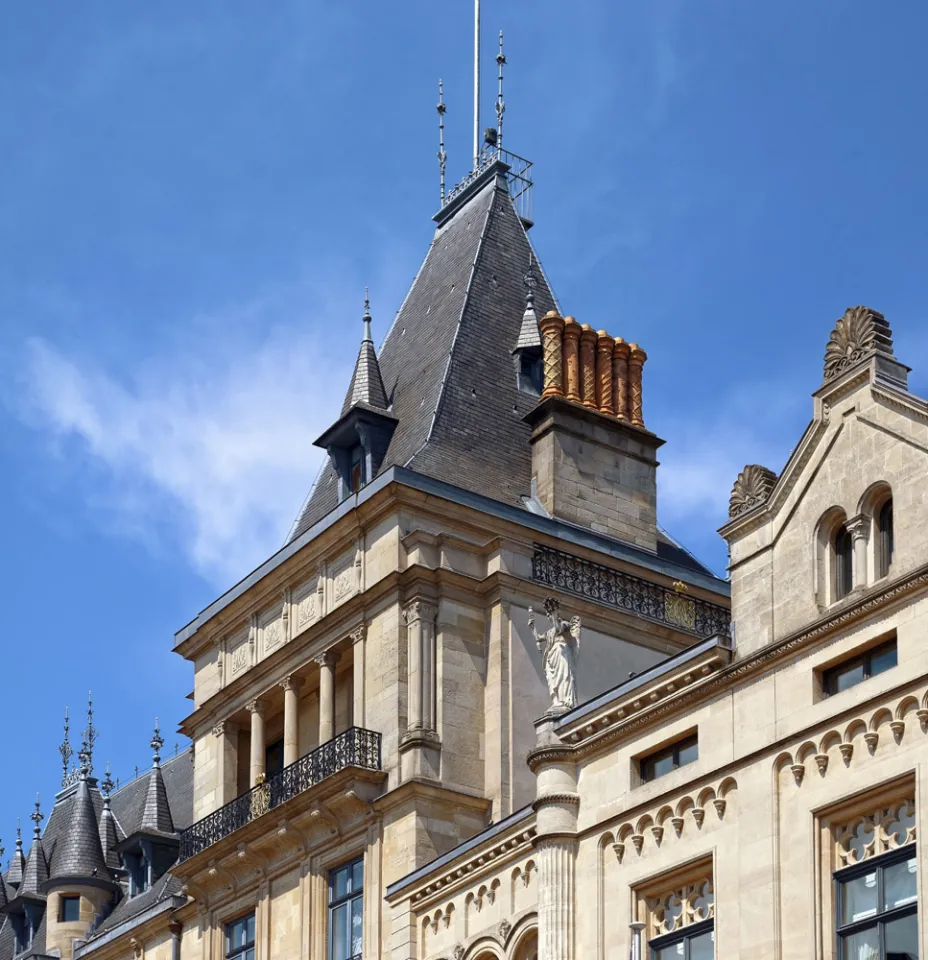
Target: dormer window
{"type": "Point", "coordinates": [530, 371]}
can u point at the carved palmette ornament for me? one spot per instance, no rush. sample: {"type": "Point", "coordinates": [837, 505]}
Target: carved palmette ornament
{"type": "Point", "coordinates": [752, 488]}
{"type": "Point", "coordinates": [859, 334]}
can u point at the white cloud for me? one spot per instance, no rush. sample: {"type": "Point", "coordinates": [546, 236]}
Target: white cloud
{"type": "Point", "coordinates": [224, 438]}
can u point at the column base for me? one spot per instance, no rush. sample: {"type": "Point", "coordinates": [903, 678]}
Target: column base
{"type": "Point", "coordinates": [420, 754]}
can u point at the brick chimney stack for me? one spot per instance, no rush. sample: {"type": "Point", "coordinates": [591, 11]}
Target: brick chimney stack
{"type": "Point", "coordinates": [593, 461]}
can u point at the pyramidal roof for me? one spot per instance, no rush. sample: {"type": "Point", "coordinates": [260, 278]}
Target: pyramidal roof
{"type": "Point", "coordinates": [156, 814]}
{"type": "Point", "coordinates": [446, 364]}
{"type": "Point", "coordinates": [366, 385]}
{"type": "Point", "coordinates": [14, 875]}
{"type": "Point", "coordinates": [35, 872]}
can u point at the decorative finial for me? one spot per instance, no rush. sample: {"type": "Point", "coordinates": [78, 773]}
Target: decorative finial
{"type": "Point", "coordinates": [500, 103]}
{"type": "Point", "coordinates": [442, 156]}
{"type": "Point", "coordinates": [66, 750]}
{"type": "Point", "coordinates": [85, 757]}
{"type": "Point", "coordinates": [367, 317]}
{"type": "Point", "coordinates": [2, 849]}
{"type": "Point", "coordinates": [157, 742]}
{"type": "Point", "coordinates": [107, 784]}
{"type": "Point", "coordinates": [37, 817]}
{"type": "Point", "coordinates": [530, 281]}
{"type": "Point", "coordinates": [19, 835]}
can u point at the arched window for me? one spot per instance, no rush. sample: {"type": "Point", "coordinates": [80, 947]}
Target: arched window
{"type": "Point", "coordinates": [885, 541]}
{"type": "Point", "coordinates": [844, 568]}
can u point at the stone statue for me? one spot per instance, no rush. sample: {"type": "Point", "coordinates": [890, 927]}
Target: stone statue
{"type": "Point", "coordinates": [559, 647]}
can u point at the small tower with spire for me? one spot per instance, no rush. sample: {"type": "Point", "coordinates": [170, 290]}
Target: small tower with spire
{"type": "Point", "coordinates": [358, 440]}
{"type": "Point", "coordinates": [527, 351]}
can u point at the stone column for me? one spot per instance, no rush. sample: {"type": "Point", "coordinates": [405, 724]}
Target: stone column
{"type": "Point", "coordinates": [226, 734]}
{"type": "Point", "coordinates": [636, 359]}
{"type": "Point", "coordinates": [420, 747]}
{"type": "Point", "coordinates": [256, 769]}
{"type": "Point", "coordinates": [604, 398]}
{"type": "Point", "coordinates": [620, 377]}
{"type": "Point", "coordinates": [359, 651]}
{"type": "Point", "coordinates": [557, 806]}
{"type": "Point", "coordinates": [291, 687]}
{"type": "Point", "coordinates": [551, 326]}
{"type": "Point", "coordinates": [572, 358]}
{"type": "Point", "coordinates": [326, 663]}
{"type": "Point", "coordinates": [859, 529]}
{"type": "Point", "coordinates": [588, 365]}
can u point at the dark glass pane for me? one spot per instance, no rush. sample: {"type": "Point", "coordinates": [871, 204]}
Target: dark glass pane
{"type": "Point", "coordinates": [676, 951]}
{"type": "Point", "coordinates": [844, 677]}
{"type": "Point", "coordinates": [689, 752]}
{"type": "Point", "coordinates": [235, 935]}
{"type": "Point", "coordinates": [340, 933]}
{"type": "Point", "coordinates": [843, 567]}
{"type": "Point", "coordinates": [902, 938]}
{"type": "Point", "coordinates": [858, 898]}
{"type": "Point", "coordinates": [703, 946]}
{"type": "Point", "coordinates": [249, 934]}
{"type": "Point", "coordinates": [886, 537]}
{"type": "Point", "coordinates": [883, 658]}
{"type": "Point", "coordinates": [249, 954]}
{"type": "Point", "coordinates": [357, 876]}
{"type": "Point", "coordinates": [864, 945]}
{"type": "Point", "coordinates": [340, 882]}
{"type": "Point", "coordinates": [70, 909]}
{"type": "Point", "coordinates": [661, 765]}
{"type": "Point", "coordinates": [357, 926]}
{"type": "Point", "coordinates": [274, 758]}
{"type": "Point", "coordinates": [899, 884]}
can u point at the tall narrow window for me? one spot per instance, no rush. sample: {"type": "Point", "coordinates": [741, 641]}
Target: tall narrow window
{"type": "Point", "coordinates": [274, 758]}
{"type": "Point", "coordinates": [69, 910]}
{"type": "Point", "coordinates": [346, 911]}
{"type": "Point", "coordinates": [240, 938]}
{"type": "Point", "coordinates": [844, 549]}
{"type": "Point", "coordinates": [885, 524]}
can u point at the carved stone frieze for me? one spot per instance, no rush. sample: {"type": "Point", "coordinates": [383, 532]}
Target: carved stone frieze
{"type": "Point", "coordinates": [752, 488]}
{"type": "Point", "coordinates": [859, 334]}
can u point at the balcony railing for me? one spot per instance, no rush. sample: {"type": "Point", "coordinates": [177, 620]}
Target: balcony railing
{"type": "Point", "coordinates": [355, 747]}
{"type": "Point", "coordinates": [626, 592]}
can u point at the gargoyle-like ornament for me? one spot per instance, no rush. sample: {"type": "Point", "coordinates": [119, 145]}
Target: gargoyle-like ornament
{"type": "Point", "coordinates": [859, 334]}
{"type": "Point", "coordinates": [752, 488]}
{"type": "Point", "coordinates": [559, 646]}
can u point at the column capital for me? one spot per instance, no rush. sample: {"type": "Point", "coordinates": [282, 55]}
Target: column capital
{"type": "Point", "coordinates": [291, 682]}
{"type": "Point", "coordinates": [219, 728]}
{"type": "Point", "coordinates": [327, 658]}
{"type": "Point", "coordinates": [419, 609]}
{"type": "Point", "coordinates": [859, 527]}
{"type": "Point", "coordinates": [359, 634]}
{"type": "Point", "coordinates": [257, 706]}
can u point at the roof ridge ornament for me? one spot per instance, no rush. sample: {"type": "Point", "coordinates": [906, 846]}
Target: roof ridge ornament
{"type": "Point", "coordinates": [367, 317]}
{"type": "Point", "coordinates": [66, 750]}
{"type": "Point", "coordinates": [107, 785]}
{"type": "Point", "coordinates": [442, 156]}
{"type": "Point", "coordinates": [859, 334]}
{"type": "Point", "coordinates": [752, 488]}
{"type": "Point", "coordinates": [157, 742]}
{"type": "Point", "coordinates": [37, 817]}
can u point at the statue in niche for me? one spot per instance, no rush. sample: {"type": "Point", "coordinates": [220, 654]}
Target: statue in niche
{"type": "Point", "coordinates": [559, 647]}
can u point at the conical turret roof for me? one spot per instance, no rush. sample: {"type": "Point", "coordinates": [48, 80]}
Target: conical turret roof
{"type": "Point", "coordinates": [156, 814]}
{"type": "Point", "coordinates": [14, 875]}
{"type": "Point", "coordinates": [79, 853]}
{"type": "Point", "coordinates": [35, 872]}
{"type": "Point", "coordinates": [366, 385]}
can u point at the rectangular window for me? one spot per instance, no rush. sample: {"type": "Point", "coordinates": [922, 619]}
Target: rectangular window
{"type": "Point", "coordinates": [240, 938]}
{"type": "Point", "coordinates": [857, 669]}
{"type": "Point", "coordinates": [69, 909]}
{"type": "Point", "coordinates": [667, 759]}
{"type": "Point", "coordinates": [877, 908]}
{"type": "Point", "coordinates": [274, 759]}
{"type": "Point", "coordinates": [692, 943]}
{"type": "Point", "coordinates": [346, 911]}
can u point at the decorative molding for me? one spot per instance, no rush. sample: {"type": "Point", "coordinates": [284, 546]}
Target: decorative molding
{"type": "Point", "coordinates": [681, 907]}
{"type": "Point", "coordinates": [858, 335]}
{"type": "Point", "coordinates": [869, 835]}
{"type": "Point", "coordinates": [752, 488]}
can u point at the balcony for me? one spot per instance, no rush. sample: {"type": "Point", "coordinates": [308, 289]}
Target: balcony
{"type": "Point", "coordinates": [355, 747]}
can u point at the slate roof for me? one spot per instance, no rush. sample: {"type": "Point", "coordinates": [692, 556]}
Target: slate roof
{"type": "Point", "coordinates": [447, 364]}
{"type": "Point", "coordinates": [366, 385]}
{"type": "Point", "coordinates": [156, 814]}
{"type": "Point", "coordinates": [67, 842]}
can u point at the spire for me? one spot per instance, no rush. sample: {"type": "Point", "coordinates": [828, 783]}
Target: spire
{"type": "Point", "coordinates": [529, 335]}
{"type": "Point", "coordinates": [476, 84]}
{"type": "Point", "coordinates": [442, 156]}
{"type": "Point", "coordinates": [65, 750]}
{"type": "Point", "coordinates": [366, 382]}
{"type": "Point", "coordinates": [500, 103]}
{"type": "Point", "coordinates": [14, 875]}
{"type": "Point", "coordinates": [78, 853]}
{"type": "Point", "coordinates": [35, 871]}
{"type": "Point", "coordinates": [108, 835]}
{"type": "Point", "coordinates": [85, 757]}
{"type": "Point", "coordinates": [156, 816]}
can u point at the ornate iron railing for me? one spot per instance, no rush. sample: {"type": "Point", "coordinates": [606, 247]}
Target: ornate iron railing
{"type": "Point", "coordinates": [518, 177]}
{"type": "Point", "coordinates": [355, 747]}
{"type": "Point", "coordinates": [652, 601]}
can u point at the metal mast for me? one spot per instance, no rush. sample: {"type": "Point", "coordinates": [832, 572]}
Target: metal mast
{"type": "Point", "coordinates": [500, 103]}
{"type": "Point", "coordinates": [442, 156]}
{"type": "Point", "coordinates": [476, 83]}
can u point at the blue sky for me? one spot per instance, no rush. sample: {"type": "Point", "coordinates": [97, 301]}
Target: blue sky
{"type": "Point", "coordinates": [194, 197]}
